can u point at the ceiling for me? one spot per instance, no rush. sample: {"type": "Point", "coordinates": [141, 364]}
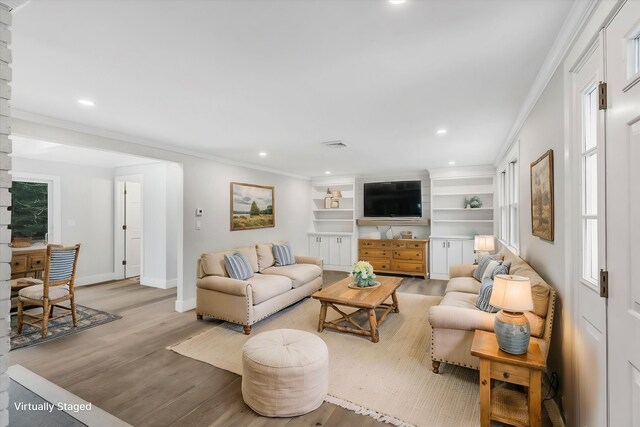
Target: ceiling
{"type": "Point", "coordinates": [27, 148]}
{"type": "Point", "coordinates": [233, 78]}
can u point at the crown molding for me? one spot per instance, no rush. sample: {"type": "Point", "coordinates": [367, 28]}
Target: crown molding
{"type": "Point", "coordinates": [90, 130]}
{"type": "Point", "coordinates": [573, 24]}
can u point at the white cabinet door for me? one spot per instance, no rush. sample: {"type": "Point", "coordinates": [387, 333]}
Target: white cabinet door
{"type": "Point", "coordinates": [454, 253]}
{"type": "Point", "coordinates": [345, 251]}
{"type": "Point", "coordinates": [468, 256]}
{"type": "Point", "coordinates": [314, 246]}
{"type": "Point", "coordinates": [323, 248]}
{"type": "Point", "coordinates": [334, 250]}
{"type": "Point", "coordinates": [439, 257]}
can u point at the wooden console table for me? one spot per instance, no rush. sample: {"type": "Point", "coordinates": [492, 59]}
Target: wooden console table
{"type": "Point", "coordinates": [502, 404]}
{"type": "Point", "coordinates": [28, 262]}
{"type": "Point", "coordinates": [398, 256]}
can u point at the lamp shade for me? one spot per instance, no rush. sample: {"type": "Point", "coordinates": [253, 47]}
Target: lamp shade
{"type": "Point", "coordinates": [511, 293]}
{"type": "Point", "coordinates": [483, 243]}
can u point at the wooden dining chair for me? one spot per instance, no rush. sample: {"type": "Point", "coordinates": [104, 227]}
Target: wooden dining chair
{"type": "Point", "coordinates": [57, 286]}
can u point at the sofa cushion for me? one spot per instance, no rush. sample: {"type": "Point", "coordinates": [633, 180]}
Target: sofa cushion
{"type": "Point", "coordinates": [300, 274]}
{"type": "Point", "coordinates": [539, 288]}
{"type": "Point", "coordinates": [488, 272]}
{"type": "Point", "coordinates": [213, 263]}
{"type": "Point", "coordinates": [484, 296]}
{"type": "Point", "coordinates": [501, 269]}
{"type": "Point", "coordinates": [251, 255]}
{"type": "Point", "coordinates": [468, 301]}
{"type": "Point", "coordinates": [283, 255]}
{"type": "Point", "coordinates": [265, 256]}
{"type": "Point", "coordinates": [267, 286]}
{"type": "Point", "coordinates": [237, 266]}
{"type": "Point", "coordinates": [36, 292]}
{"type": "Point", "coordinates": [463, 284]}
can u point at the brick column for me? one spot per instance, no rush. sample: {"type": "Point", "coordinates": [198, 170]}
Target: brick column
{"type": "Point", "coordinates": [5, 202]}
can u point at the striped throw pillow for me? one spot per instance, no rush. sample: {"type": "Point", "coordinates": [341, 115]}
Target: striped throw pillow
{"type": "Point", "coordinates": [501, 269]}
{"type": "Point", "coordinates": [482, 266]}
{"type": "Point", "coordinates": [283, 255]}
{"type": "Point", "coordinates": [484, 296]}
{"type": "Point", "coordinates": [238, 266]}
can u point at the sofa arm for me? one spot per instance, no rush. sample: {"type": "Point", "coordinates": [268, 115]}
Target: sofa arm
{"type": "Point", "coordinates": [225, 285]}
{"type": "Point", "coordinates": [461, 270]}
{"type": "Point", "coordinates": [308, 260]}
{"type": "Point", "coordinates": [449, 317]}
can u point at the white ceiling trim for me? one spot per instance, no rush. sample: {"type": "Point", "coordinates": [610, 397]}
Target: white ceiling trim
{"type": "Point", "coordinates": [573, 24]}
{"type": "Point", "coordinates": [63, 124]}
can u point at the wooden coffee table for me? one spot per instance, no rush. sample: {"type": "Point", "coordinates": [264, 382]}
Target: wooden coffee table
{"type": "Point", "coordinates": [365, 300]}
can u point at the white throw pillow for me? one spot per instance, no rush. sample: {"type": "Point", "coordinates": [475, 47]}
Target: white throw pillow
{"type": "Point", "coordinates": [490, 267]}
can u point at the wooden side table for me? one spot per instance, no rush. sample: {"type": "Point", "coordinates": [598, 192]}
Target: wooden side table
{"type": "Point", "coordinates": [501, 404]}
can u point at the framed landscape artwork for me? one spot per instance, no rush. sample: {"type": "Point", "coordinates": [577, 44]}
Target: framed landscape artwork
{"type": "Point", "coordinates": [252, 206]}
{"type": "Point", "coordinates": [542, 196]}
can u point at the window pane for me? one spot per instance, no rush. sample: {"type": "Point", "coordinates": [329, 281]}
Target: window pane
{"type": "Point", "coordinates": [590, 119]}
{"type": "Point", "coordinates": [30, 211]}
{"type": "Point", "coordinates": [591, 184]}
{"type": "Point", "coordinates": [590, 250]}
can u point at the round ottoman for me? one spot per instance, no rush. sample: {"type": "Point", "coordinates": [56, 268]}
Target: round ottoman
{"type": "Point", "coordinates": [284, 373]}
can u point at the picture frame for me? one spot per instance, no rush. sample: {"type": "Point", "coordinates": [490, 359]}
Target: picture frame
{"type": "Point", "coordinates": [252, 206]}
{"type": "Point", "coordinates": [542, 201]}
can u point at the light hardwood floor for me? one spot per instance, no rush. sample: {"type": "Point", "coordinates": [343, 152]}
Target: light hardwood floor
{"type": "Point", "coordinates": [124, 367]}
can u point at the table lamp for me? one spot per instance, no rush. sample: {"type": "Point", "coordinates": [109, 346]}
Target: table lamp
{"type": "Point", "coordinates": [483, 244]}
{"type": "Point", "coordinates": [513, 295]}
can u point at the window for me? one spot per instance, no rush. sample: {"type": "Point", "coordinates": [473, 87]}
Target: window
{"type": "Point", "coordinates": [30, 209]}
{"type": "Point", "coordinates": [508, 193]}
{"type": "Point", "coordinates": [35, 201]}
{"type": "Point", "coordinates": [589, 193]}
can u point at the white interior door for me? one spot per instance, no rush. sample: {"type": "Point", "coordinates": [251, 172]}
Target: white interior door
{"type": "Point", "coordinates": [132, 228]}
{"type": "Point", "coordinates": [590, 347]}
{"type": "Point", "coordinates": [623, 214]}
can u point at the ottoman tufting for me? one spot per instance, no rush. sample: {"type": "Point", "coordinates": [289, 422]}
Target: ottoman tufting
{"type": "Point", "coordinates": [285, 373]}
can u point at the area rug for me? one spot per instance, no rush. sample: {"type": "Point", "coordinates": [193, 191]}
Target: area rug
{"type": "Point", "coordinates": [390, 380]}
{"type": "Point", "coordinates": [86, 318]}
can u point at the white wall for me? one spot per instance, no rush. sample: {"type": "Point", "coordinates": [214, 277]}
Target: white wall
{"type": "Point", "coordinates": [87, 214]}
{"type": "Point", "coordinates": [206, 184]}
{"type": "Point", "coordinates": [544, 130]}
{"type": "Point", "coordinates": [419, 232]}
{"type": "Point", "coordinates": [159, 221]}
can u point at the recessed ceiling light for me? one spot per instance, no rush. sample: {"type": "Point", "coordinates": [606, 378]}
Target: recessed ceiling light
{"type": "Point", "coordinates": [327, 172]}
{"type": "Point", "coordinates": [397, 1]}
{"type": "Point", "coordinates": [86, 102]}
{"type": "Point", "coordinates": [441, 131]}
{"type": "Point", "coordinates": [262, 154]}
{"type": "Point", "coordinates": [452, 162]}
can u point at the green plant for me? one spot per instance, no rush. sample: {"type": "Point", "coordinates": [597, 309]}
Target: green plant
{"type": "Point", "coordinates": [475, 202]}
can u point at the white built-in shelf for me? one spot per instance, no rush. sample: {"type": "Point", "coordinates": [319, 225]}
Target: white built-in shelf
{"type": "Point", "coordinates": [333, 220]}
{"type": "Point", "coordinates": [329, 233]}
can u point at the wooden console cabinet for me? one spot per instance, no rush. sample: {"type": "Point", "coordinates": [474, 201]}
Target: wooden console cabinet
{"type": "Point", "coordinates": [409, 257]}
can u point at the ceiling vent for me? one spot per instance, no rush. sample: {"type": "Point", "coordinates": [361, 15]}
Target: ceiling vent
{"type": "Point", "coordinates": [335, 144]}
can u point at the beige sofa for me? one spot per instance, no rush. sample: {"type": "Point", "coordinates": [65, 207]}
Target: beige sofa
{"type": "Point", "coordinates": [246, 302]}
{"type": "Point", "coordinates": [456, 318]}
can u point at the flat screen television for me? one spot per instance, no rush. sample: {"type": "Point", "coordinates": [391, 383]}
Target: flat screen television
{"type": "Point", "coordinates": [393, 199]}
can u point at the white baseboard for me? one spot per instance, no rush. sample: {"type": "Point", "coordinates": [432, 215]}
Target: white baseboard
{"type": "Point", "coordinates": [436, 276]}
{"type": "Point", "coordinates": [158, 283]}
{"type": "Point", "coordinates": [96, 278]}
{"type": "Point", "coordinates": [185, 305]}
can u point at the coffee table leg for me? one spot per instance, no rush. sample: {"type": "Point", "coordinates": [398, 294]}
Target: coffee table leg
{"type": "Point", "coordinates": [373, 321]}
{"type": "Point", "coordinates": [323, 315]}
{"type": "Point", "coordinates": [394, 297]}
